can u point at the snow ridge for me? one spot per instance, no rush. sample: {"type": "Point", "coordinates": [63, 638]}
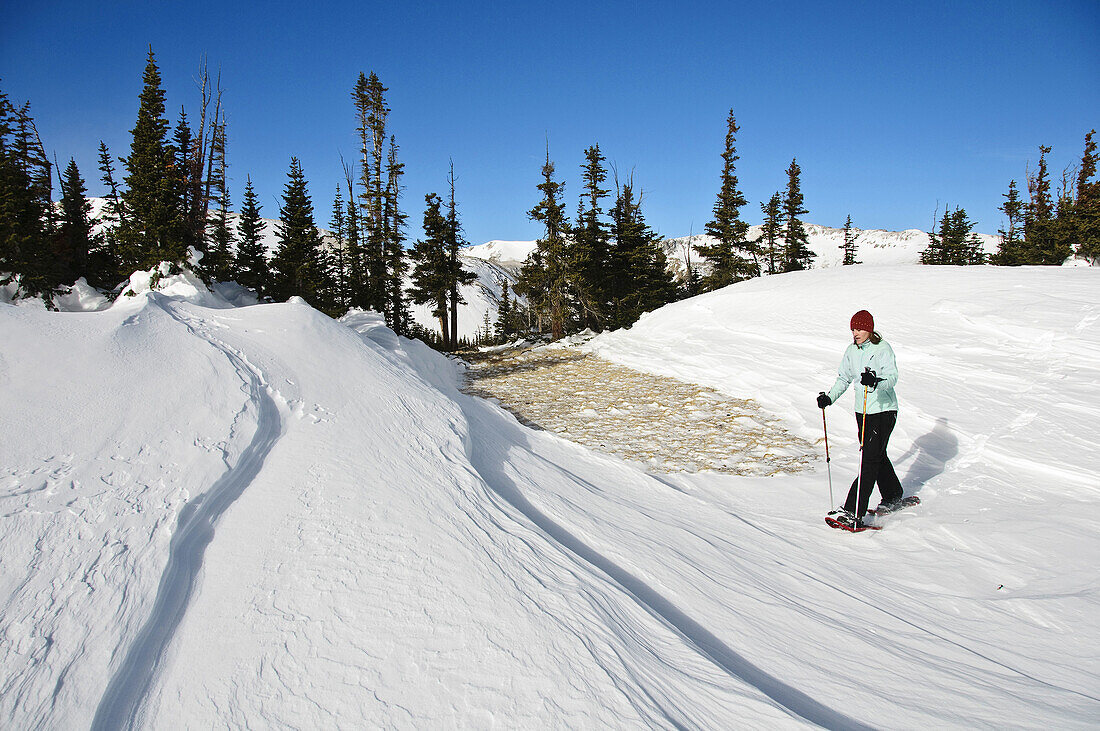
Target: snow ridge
{"type": "Point", "coordinates": [122, 700]}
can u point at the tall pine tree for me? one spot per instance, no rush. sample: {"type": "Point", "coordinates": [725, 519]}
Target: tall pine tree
{"type": "Point", "coordinates": [588, 259]}
{"type": "Point", "coordinates": [1010, 250]}
{"type": "Point", "coordinates": [251, 265]}
{"type": "Point", "coordinates": [849, 244]}
{"type": "Point", "coordinates": [27, 220]}
{"type": "Point", "coordinates": [75, 240]}
{"type": "Point", "coordinates": [457, 277]}
{"type": "Point", "coordinates": [218, 262]}
{"type": "Point", "coordinates": [796, 245]}
{"type": "Point", "coordinates": [641, 281]}
{"type": "Point", "coordinates": [297, 269]}
{"type": "Point", "coordinates": [544, 279]}
{"type": "Point", "coordinates": [393, 243]}
{"type": "Point", "coordinates": [431, 263]}
{"type": "Point", "coordinates": [954, 243]}
{"type": "Point", "coordinates": [1041, 244]}
{"type": "Point", "coordinates": [371, 113]}
{"type": "Point", "coordinates": [726, 256]}
{"type": "Point", "coordinates": [769, 237]}
{"type": "Point", "coordinates": [152, 229]}
{"type": "Point", "coordinates": [1086, 227]}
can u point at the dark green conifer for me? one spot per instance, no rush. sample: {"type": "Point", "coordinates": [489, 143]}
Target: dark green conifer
{"type": "Point", "coordinates": [544, 279]}
{"type": "Point", "coordinates": [1042, 245]}
{"type": "Point", "coordinates": [726, 256]}
{"type": "Point", "coordinates": [250, 266]}
{"type": "Point", "coordinates": [338, 255]}
{"type": "Point", "coordinates": [27, 219]}
{"type": "Point", "coordinates": [589, 247]}
{"type": "Point", "coordinates": [641, 281]}
{"type": "Point", "coordinates": [75, 240]}
{"type": "Point", "coordinates": [954, 243]}
{"type": "Point", "coordinates": [769, 237]}
{"type": "Point", "coordinates": [431, 261]}
{"type": "Point", "coordinates": [1084, 228]}
{"type": "Point", "coordinates": [218, 262]}
{"type": "Point", "coordinates": [1010, 250]}
{"type": "Point", "coordinates": [396, 263]}
{"type": "Point", "coordinates": [297, 262]}
{"type": "Point", "coordinates": [457, 277]}
{"type": "Point", "coordinates": [849, 244]}
{"type": "Point", "coordinates": [796, 245]}
{"type": "Point", "coordinates": [371, 113]}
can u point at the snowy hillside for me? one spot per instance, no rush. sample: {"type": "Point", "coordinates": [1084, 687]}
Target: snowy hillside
{"type": "Point", "coordinates": [260, 517]}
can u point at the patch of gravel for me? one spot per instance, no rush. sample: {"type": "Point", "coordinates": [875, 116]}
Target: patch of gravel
{"type": "Point", "coordinates": [667, 425]}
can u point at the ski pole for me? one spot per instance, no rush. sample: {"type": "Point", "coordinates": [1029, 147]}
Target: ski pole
{"type": "Point", "coordinates": [828, 465]}
{"type": "Point", "coordinates": [862, 439]}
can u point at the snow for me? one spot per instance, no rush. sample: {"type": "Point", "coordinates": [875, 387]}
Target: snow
{"type": "Point", "coordinates": [260, 517]}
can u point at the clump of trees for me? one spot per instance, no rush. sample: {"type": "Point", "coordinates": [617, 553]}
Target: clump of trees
{"type": "Point", "coordinates": [783, 245]}
{"type": "Point", "coordinates": [1052, 226]}
{"type": "Point", "coordinates": [1044, 230]}
{"type": "Point", "coordinates": [602, 270]}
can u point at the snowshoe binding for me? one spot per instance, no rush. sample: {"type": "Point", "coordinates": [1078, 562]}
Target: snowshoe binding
{"type": "Point", "coordinates": [887, 508]}
{"type": "Point", "coordinates": [845, 520]}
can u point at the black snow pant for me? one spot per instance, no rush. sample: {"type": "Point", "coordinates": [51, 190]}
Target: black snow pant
{"type": "Point", "coordinates": [876, 467]}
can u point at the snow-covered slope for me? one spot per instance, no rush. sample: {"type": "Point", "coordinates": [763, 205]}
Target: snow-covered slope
{"type": "Point", "coordinates": [259, 517]}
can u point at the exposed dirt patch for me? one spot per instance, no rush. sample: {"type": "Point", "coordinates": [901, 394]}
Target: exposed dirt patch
{"type": "Point", "coordinates": [668, 425]}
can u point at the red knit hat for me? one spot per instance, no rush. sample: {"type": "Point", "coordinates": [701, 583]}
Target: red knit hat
{"type": "Point", "coordinates": [862, 320]}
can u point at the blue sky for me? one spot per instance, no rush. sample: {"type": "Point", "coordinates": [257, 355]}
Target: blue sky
{"type": "Point", "coordinates": [892, 109]}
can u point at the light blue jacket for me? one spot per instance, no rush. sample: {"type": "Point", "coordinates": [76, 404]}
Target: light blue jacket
{"type": "Point", "coordinates": [880, 359]}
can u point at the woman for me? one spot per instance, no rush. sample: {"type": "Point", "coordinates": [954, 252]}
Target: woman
{"type": "Point", "coordinates": [870, 360]}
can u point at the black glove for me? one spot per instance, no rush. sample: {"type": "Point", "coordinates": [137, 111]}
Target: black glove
{"type": "Point", "coordinates": [869, 379]}
{"type": "Point", "coordinates": [823, 400]}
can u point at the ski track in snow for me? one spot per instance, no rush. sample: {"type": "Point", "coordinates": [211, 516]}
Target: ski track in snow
{"type": "Point", "coordinates": [122, 700]}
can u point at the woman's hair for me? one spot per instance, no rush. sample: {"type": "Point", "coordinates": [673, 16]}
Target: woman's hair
{"type": "Point", "coordinates": [875, 337]}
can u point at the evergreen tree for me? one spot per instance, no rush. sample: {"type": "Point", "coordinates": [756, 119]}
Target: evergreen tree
{"type": "Point", "coordinates": [796, 245]}
{"type": "Point", "coordinates": [152, 229]}
{"type": "Point", "coordinates": [297, 261]}
{"type": "Point", "coordinates": [849, 245]}
{"type": "Point", "coordinates": [394, 237]}
{"type": "Point", "coordinates": [250, 264]}
{"type": "Point", "coordinates": [1041, 243]}
{"type": "Point", "coordinates": [75, 240]}
{"type": "Point", "coordinates": [371, 112]}
{"type": "Point", "coordinates": [338, 259]}
{"type": "Point", "coordinates": [504, 325]}
{"type": "Point", "coordinates": [357, 293]}
{"type": "Point", "coordinates": [728, 265]}
{"type": "Point", "coordinates": [191, 228]}
{"type": "Point", "coordinates": [1087, 206]}
{"type": "Point", "coordinates": [108, 260]}
{"type": "Point", "coordinates": [588, 252]}
{"type": "Point", "coordinates": [456, 275]}
{"type": "Point", "coordinates": [954, 244]}
{"type": "Point", "coordinates": [218, 262]}
{"type": "Point", "coordinates": [431, 261]}
{"type": "Point", "coordinates": [773, 224]}
{"type": "Point", "coordinates": [544, 277]}
{"type": "Point", "coordinates": [115, 210]}
{"type": "Point", "coordinates": [1010, 250]}
{"type": "Point", "coordinates": [26, 210]}
{"type": "Point", "coordinates": [641, 281]}
{"type": "Point", "coordinates": [1075, 222]}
